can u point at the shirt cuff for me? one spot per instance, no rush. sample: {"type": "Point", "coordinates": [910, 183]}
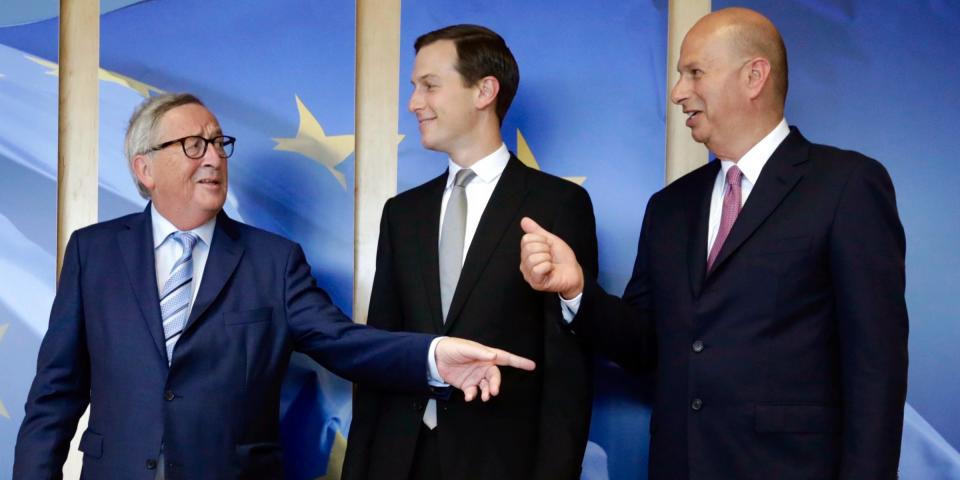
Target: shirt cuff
{"type": "Point", "coordinates": [433, 375]}
{"type": "Point", "coordinates": [569, 308]}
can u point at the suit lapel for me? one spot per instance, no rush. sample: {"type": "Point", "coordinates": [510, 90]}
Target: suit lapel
{"type": "Point", "coordinates": [225, 253]}
{"type": "Point", "coordinates": [698, 218]}
{"type": "Point", "coordinates": [135, 245]}
{"type": "Point", "coordinates": [499, 214]}
{"type": "Point", "coordinates": [777, 179]}
{"type": "Point", "coordinates": [429, 233]}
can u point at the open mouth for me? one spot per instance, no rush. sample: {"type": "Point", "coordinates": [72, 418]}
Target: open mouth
{"type": "Point", "coordinates": [209, 181]}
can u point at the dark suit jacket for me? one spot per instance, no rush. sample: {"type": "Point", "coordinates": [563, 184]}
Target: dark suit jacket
{"type": "Point", "coordinates": [215, 409]}
{"type": "Point", "coordinates": [789, 359]}
{"type": "Point", "coordinates": [537, 427]}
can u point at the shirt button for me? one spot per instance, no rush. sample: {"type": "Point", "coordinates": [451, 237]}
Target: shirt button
{"type": "Point", "coordinates": [698, 346]}
{"type": "Point", "coordinates": [696, 404]}
{"type": "Point", "coordinates": [151, 464]}
{"type": "Point", "coordinates": [168, 395]}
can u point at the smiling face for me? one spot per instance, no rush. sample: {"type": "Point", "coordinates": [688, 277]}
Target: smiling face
{"type": "Point", "coordinates": [186, 191]}
{"type": "Point", "coordinates": [446, 109]}
{"type": "Point", "coordinates": [711, 88]}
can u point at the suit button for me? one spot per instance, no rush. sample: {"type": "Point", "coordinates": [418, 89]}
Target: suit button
{"type": "Point", "coordinates": [696, 404]}
{"type": "Point", "coordinates": [151, 464]}
{"type": "Point", "coordinates": [168, 395]}
{"type": "Point", "coordinates": [698, 346]}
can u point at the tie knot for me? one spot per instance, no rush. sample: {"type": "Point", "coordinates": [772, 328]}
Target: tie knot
{"type": "Point", "coordinates": [463, 177]}
{"type": "Point", "coordinates": [733, 176]}
{"type": "Point", "coordinates": [187, 239]}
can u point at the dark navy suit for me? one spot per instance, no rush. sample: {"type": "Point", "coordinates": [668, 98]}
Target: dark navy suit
{"type": "Point", "coordinates": [789, 359]}
{"type": "Point", "coordinates": [215, 408]}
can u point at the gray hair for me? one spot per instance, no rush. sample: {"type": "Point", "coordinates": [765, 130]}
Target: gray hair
{"type": "Point", "coordinates": [143, 125]}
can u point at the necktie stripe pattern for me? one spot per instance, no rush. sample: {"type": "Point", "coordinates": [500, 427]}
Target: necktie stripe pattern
{"type": "Point", "coordinates": [731, 209]}
{"type": "Point", "coordinates": [452, 235]}
{"type": "Point", "coordinates": [177, 291]}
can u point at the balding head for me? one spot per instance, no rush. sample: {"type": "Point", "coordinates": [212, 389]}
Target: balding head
{"type": "Point", "coordinates": [749, 34]}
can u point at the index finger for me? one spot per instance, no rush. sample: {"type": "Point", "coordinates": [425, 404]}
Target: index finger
{"type": "Point", "coordinates": [508, 359]}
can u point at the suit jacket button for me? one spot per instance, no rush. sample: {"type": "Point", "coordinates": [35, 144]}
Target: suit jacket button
{"type": "Point", "coordinates": [698, 346]}
{"type": "Point", "coordinates": [151, 464]}
{"type": "Point", "coordinates": [696, 404]}
{"type": "Point", "coordinates": [168, 395]}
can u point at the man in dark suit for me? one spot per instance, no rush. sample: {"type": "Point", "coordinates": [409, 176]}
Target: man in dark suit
{"type": "Point", "coordinates": [434, 278]}
{"type": "Point", "coordinates": [176, 326]}
{"type": "Point", "coordinates": [768, 288]}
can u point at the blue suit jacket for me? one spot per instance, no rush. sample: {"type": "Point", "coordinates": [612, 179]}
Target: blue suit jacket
{"type": "Point", "coordinates": [789, 359]}
{"type": "Point", "coordinates": [215, 408]}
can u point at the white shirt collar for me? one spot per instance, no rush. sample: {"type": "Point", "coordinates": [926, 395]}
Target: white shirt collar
{"type": "Point", "coordinates": [162, 228]}
{"type": "Point", "coordinates": [487, 168]}
{"type": "Point", "coordinates": [752, 162]}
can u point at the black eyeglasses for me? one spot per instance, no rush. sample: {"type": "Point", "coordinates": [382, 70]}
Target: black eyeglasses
{"type": "Point", "coordinates": [195, 146]}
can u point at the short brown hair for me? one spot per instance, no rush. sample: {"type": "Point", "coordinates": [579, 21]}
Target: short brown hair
{"type": "Point", "coordinates": [480, 53]}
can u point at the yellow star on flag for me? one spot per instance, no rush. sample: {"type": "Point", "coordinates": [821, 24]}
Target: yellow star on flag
{"type": "Point", "coordinates": [526, 156]}
{"type": "Point", "coordinates": [3, 410]}
{"type": "Point", "coordinates": [312, 142]}
{"type": "Point", "coordinates": [104, 75]}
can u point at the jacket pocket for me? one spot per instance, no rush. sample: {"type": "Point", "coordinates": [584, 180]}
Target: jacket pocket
{"type": "Point", "coordinates": [797, 418]}
{"type": "Point", "coordinates": [256, 315]}
{"type": "Point", "coordinates": [91, 444]}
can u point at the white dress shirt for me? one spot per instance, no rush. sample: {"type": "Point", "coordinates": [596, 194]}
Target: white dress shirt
{"type": "Point", "coordinates": [167, 251]}
{"type": "Point", "coordinates": [478, 191]}
{"type": "Point", "coordinates": [750, 165]}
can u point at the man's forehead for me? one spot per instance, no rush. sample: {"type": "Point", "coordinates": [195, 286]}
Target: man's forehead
{"type": "Point", "coordinates": [189, 117]}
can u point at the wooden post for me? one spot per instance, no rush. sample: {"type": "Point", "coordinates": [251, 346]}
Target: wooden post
{"type": "Point", "coordinates": [683, 154]}
{"type": "Point", "coordinates": [378, 67]}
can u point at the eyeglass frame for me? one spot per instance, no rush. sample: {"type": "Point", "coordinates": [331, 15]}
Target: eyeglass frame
{"type": "Point", "coordinates": [227, 140]}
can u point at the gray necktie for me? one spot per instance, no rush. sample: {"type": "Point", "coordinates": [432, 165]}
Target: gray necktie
{"type": "Point", "coordinates": [451, 258]}
{"type": "Point", "coordinates": [451, 238]}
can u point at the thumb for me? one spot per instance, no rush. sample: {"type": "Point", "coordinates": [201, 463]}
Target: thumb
{"type": "Point", "coordinates": [530, 226]}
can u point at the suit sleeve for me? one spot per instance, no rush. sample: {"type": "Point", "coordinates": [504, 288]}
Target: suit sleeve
{"type": "Point", "coordinates": [389, 360]}
{"type": "Point", "coordinates": [384, 313]}
{"type": "Point", "coordinates": [622, 329]}
{"type": "Point", "coordinates": [61, 389]}
{"type": "Point", "coordinates": [567, 395]}
{"type": "Point", "coordinates": [866, 259]}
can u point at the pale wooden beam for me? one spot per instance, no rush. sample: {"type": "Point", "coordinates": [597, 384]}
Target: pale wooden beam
{"type": "Point", "coordinates": [377, 94]}
{"type": "Point", "coordinates": [683, 154]}
{"type": "Point", "coordinates": [79, 119]}
{"type": "Point", "coordinates": [77, 142]}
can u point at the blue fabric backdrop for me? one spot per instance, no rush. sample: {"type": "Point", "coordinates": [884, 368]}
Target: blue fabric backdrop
{"type": "Point", "coordinates": [866, 75]}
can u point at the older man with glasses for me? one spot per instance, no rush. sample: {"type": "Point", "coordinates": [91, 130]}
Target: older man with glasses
{"type": "Point", "coordinates": [176, 326]}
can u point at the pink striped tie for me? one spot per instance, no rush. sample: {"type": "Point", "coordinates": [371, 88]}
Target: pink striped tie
{"type": "Point", "coordinates": [731, 208]}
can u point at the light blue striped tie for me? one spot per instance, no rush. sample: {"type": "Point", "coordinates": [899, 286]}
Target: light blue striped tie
{"type": "Point", "coordinates": [177, 292]}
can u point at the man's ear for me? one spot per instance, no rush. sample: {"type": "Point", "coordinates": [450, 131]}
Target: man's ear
{"type": "Point", "coordinates": [757, 75]}
{"type": "Point", "coordinates": [143, 170]}
{"type": "Point", "coordinates": [487, 89]}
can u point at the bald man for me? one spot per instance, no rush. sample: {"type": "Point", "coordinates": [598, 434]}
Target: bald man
{"type": "Point", "coordinates": [768, 286]}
